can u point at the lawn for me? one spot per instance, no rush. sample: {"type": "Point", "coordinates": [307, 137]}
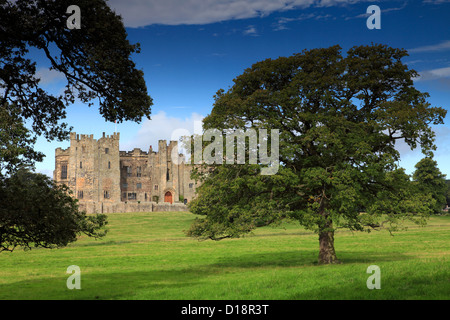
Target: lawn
{"type": "Point", "coordinates": [147, 256]}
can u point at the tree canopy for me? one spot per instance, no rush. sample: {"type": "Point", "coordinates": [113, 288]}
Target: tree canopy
{"type": "Point", "coordinates": [96, 60]}
{"type": "Point", "coordinates": [339, 118]}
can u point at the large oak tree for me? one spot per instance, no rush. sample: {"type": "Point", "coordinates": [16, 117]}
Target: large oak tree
{"type": "Point", "coordinates": [339, 119]}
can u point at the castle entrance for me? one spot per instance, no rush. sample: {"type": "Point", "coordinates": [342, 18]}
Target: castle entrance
{"type": "Point", "coordinates": [168, 197]}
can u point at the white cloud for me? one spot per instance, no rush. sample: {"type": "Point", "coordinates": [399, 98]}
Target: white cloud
{"type": "Point", "coordinates": [250, 31]}
{"type": "Point", "coordinates": [443, 46]}
{"type": "Point", "coordinates": [383, 10]}
{"type": "Point", "coordinates": [162, 127]}
{"type": "Point", "coordinates": [433, 74]}
{"type": "Point", "coordinates": [283, 21]}
{"type": "Point", "coordinates": [139, 13]}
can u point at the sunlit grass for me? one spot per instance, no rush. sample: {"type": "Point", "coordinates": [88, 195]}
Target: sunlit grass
{"type": "Point", "coordinates": [147, 256]}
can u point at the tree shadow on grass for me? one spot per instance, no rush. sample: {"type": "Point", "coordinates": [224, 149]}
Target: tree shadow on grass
{"type": "Point", "coordinates": [348, 257]}
{"type": "Point", "coordinates": [165, 284]}
{"type": "Point", "coordinates": [393, 286]}
{"type": "Point", "coordinates": [107, 286]}
{"type": "Point", "coordinates": [193, 284]}
{"type": "Point", "coordinates": [101, 243]}
{"type": "Point", "coordinates": [302, 258]}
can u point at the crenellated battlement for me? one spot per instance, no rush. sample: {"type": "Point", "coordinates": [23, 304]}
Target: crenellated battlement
{"type": "Point", "coordinates": [62, 152]}
{"type": "Point", "coordinates": [133, 153]}
{"type": "Point", "coordinates": [114, 136]}
{"type": "Point", "coordinates": [90, 137]}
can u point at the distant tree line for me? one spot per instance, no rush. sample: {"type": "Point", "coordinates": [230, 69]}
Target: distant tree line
{"type": "Point", "coordinates": [430, 180]}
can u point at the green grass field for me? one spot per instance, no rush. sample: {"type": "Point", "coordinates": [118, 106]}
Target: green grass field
{"type": "Point", "coordinates": [147, 256]}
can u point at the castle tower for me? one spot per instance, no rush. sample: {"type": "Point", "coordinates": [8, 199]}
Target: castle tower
{"type": "Point", "coordinates": [90, 167]}
{"type": "Point", "coordinates": [108, 168]}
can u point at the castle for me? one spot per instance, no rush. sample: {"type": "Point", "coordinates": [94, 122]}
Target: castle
{"type": "Point", "coordinates": [107, 180]}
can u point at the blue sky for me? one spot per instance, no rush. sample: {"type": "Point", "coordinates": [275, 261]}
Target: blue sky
{"type": "Point", "coordinates": [192, 48]}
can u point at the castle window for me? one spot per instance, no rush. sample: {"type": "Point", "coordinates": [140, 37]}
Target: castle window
{"type": "Point", "coordinates": [106, 194]}
{"type": "Point", "coordinates": [168, 175]}
{"type": "Point", "coordinates": [64, 171]}
{"type": "Point", "coordinates": [131, 196]}
{"type": "Point", "coordinates": [125, 185]}
{"type": "Point", "coordinates": [138, 185]}
{"type": "Point", "coordinates": [81, 164]}
{"type": "Point", "coordinates": [80, 194]}
{"type": "Point", "coordinates": [129, 171]}
{"type": "Point", "coordinates": [106, 150]}
{"type": "Point", "coordinates": [191, 185]}
{"type": "Point", "coordinates": [109, 164]}
{"type": "Point", "coordinates": [138, 171]}
{"type": "Point", "coordinates": [156, 187]}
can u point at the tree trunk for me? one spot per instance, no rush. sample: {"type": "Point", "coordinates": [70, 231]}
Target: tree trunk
{"type": "Point", "coordinates": [327, 255]}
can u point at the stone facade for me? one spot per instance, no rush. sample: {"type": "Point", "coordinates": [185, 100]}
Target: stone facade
{"type": "Point", "coordinates": [105, 179]}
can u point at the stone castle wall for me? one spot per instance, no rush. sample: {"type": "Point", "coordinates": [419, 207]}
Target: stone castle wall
{"type": "Point", "coordinates": [128, 207]}
{"type": "Point", "coordinates": [105, 179]}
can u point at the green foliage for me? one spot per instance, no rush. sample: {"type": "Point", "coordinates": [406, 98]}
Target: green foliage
{"type": "Point", "coordinates": [95, 60]}
{"type": "Point", "coordinates": [447, 196]}
{"type": "Point", "coordinates": [431, 181]}
{"type": "Point", "coordinates": [16, 142]}
{"type": "Point", "coordinates": [339, 118]}
{"type": "Point", "coordinates": [237, 199]}
{"type": "Point", "coordinates": [402, 200]}
{"type": "Point", "coordinates": [35, 212]}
